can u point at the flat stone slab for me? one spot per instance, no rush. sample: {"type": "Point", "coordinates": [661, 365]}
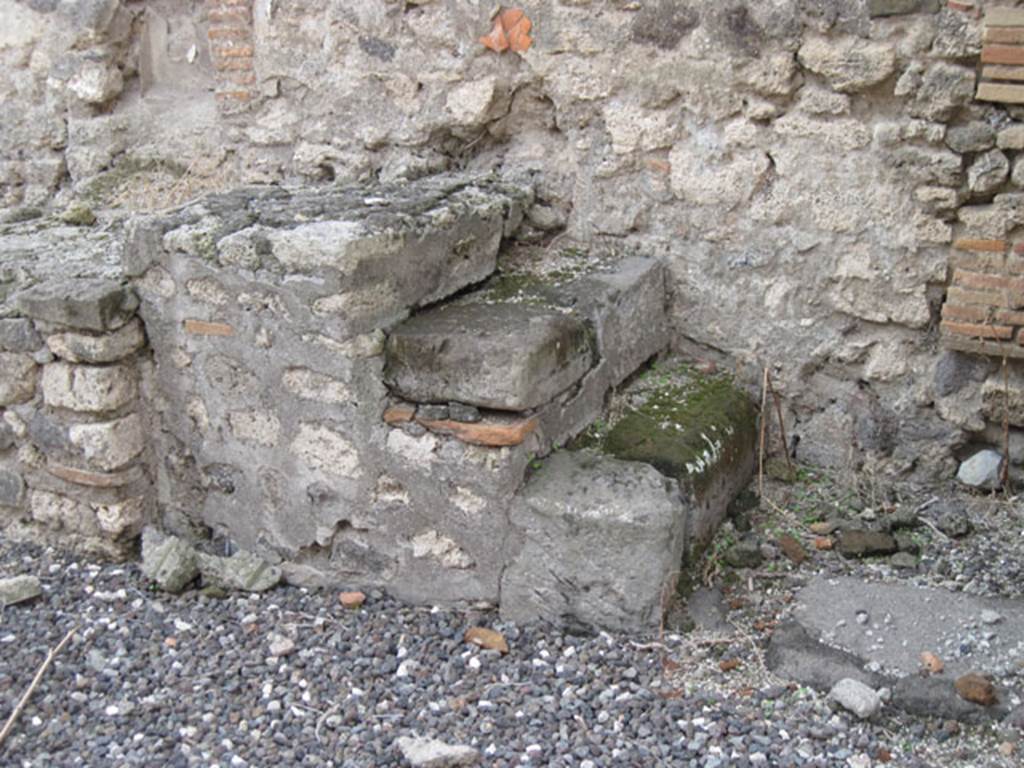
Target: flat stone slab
{"type": "Point", "coordinates": [509, 357]}
{"type": "Point", "coordinates": [597, 542]}
{"type": "Point", "coordinates": [902, 621]}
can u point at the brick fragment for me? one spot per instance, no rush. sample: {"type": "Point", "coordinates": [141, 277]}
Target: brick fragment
{"type": "Point", "coordinates": [977, 330]}
{"type": "Point", "coordinates": [970, 313]}
{"type": "Point", "coordinates": [235, 65]}
{"type": "Point", "coordinates": [493, 433]}
{"type": "Point", "coordinates": [1002, 72]}
{"type": "Point", "coordinates": [399, 414]}
{"type": "Point", "coordinates": [94, 479]}
{"type": "Point", "coordinates": [204, 328]}
{"type": "Point", "coordinates": [983, 347]}
{"type": "Point", "coordinates": [228, 50]}
{"type": "Point", "coordinates": [977, 244]}
{"type": "Point", "coordinates": [229, 33]}
{"type": "Point", "coordinates": [1001, 16]}
{"type": "Point", "coordinates": [984, 281]}
{"type": "Point", "coordinates": [1011, 35]}
{"type": "Point", "coordinates": [1001, 92]}
{"type": "Point", "coordinates": [957, 295]}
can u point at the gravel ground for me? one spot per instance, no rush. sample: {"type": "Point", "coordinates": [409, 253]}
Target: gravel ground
{"type": "Point", "coordinates": [156, 680]}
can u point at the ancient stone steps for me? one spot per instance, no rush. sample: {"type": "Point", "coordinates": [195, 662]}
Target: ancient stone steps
{"type": "Point", "coordinates": [357, 385]}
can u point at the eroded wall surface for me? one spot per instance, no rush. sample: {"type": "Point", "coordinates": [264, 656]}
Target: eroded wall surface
{"type": "Point", "coordinates": [802, 167]}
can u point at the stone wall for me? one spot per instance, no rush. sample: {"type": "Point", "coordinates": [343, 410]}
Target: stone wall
{"type": "Point", "coordinates": [801, 167]}
{"type": "Point", "coordinates": [75, 464]}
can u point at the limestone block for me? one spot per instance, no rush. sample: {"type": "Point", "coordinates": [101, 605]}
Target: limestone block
{"type": "Point", "coordinates": [727, 182]}
{"type": "Point", "coordinates": [327, 450]}
{"type": "Point", "coordinates": [86, 388]}
{"type": "Point", "coordinates": [1011, 137]}
{"type": "Point", "coordinates": [19, 589]}
{"type": "Point", "coordinates": [86, 304]}
{"type": "Point", "coordinates": [849, 64]}
{"type": "Point", "coordinates": [242, 571]}
{"type": "Point", "coordinates": [18, 335]}
{"type": "Point", "coordinates": [168, 561]}
{"type": "Point", "coordinates": [504, 356]}
{"type": "Point", "coordinates": [988, 172]}
{"type": "Point", "coordinates": [109, 445]}
{"type": "Point", "coordinates": [17, 378]}
{"type": "Point", "coordinates": [602, 540]}
{"type": "Point", "coordinates": [96, 82]}
{"type": "Point", "coordinates": [942, 90]}
{"type": "Point", "coordinates": [122, 519]}
{"type": "Point", "coordinates": [12, 489]}
{"type": "Point", "coordinates": [107, 348]}
{"type": "Point", "coordinates": [63, 513]}
{"type": "Point", "coordinates": [975, 136]}
{"type": "Point", "coordinates": [257, 427]}
{"type": "Point", "coordinates": [311, 385]}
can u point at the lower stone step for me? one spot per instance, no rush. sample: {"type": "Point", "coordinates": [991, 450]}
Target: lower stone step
{"type": "Point", "coordinates": [602, 534]}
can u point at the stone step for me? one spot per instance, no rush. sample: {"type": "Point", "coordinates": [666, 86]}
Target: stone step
{"type": "Point", "coordinates": [601, 534]}
{"type": "Point", "coordinates": [503, 356]}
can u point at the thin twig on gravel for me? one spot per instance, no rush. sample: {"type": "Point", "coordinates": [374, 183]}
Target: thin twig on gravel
{"type": "Point", "coordinates": [50, 656]}
{"type": "Point", "coordinates": [934, 527]}
{"type": "Point", "coordinates": [764, 425]}
{"type": "Point", "coordinates": [320, 720]}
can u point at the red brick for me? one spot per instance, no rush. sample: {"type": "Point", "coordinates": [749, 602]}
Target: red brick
{"type": "Point", "coordinates": [964, 6]}
{"type": "Point", "coordinates": [205, 328]}
{"type": "Point", "coordinates": [975, 244]}
{"type": "Point", "coordinates": [969, 313]}
{"type": "Point", "coordinates": [1002, 54]}
{"type": "Point", "coordinates": [1004, 35]}
{"type": "Point", "coordinates": [978, 331]}
{"type": "Point", "coordinates": [399, 414]}
{"type": "Point", "coordinates": [234, 65]}
{"type": "Point", "coordinates": [214, 4]}
{"type": "Point", "coordinates": [988, 282]}
{"type": "Point", "coordinates": [983, 346]}
{"type": "Point", "coordinates": [227, 49]}
{"type": "Point", "coordinates": [978, 262]}
{"type": "Point", "coordinates": [239, 16]}
{"type": "Point", "coordinates": [233, 96]}
{"type": "Point", "coordinates": [1006, 317]}
{"type": "Point", "coordinates": [229, 33]}
{"type": "Point", "coordinates": [985, 298]}
{"type": "Point", "coordinates": [494, 433]}
{"type": "Point", "coordinates": [239, 77]}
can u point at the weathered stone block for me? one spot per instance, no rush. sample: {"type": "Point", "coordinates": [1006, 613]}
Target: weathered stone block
{"type": "Point", "coordinates": [168, 561]}
{"type": "Point", "coordinates": [849, 64]}
{"type": "Point", "coordinates": [18, 335]}
{"type": "Point", "coordinates": [12, 489]}
{"type": "Point", "coordinates": [62, 513]}
{"type": "Point", "coordinates": [503, 356]}
{"type": "Point", "coordinates": [88, 389]}
{"type": "Point", "coordinates": [242, 571]}
{"type": "Point", "coordinates": [121, 520]}
{"type": "Point", "coordinates": [698, 430]}
{"type": "Point", "coordinates": [109, 445]}
{"type": "Point", "coordinates": [107, 348]}
{"type": "Point", "coordinates": [17, 378]}
{"type": "Point", "coordinates": [327, 450]}
{"type": "Point", "coordinates": [19, 589]}
{"type": "Point", "coordinates": [88, 304]}
{"type": "Point", "coordinates": [601, 542]}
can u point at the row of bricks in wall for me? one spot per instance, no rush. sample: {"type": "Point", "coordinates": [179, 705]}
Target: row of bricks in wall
{"type": "Point", "coordinates": [231, 47]}
{"type": "Point", "coordinates": [987, 291]}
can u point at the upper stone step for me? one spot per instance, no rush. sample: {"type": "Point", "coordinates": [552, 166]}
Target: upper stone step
{"type": "Point", "coordinates": [352, 259]}
{"type": "Point", "coordinates": [551, 332]}
{"type": "Point", "coordinates": [509, 357]}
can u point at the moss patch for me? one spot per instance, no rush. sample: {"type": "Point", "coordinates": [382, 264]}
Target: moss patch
{"type": "Point", "coordinates": [688, 426]}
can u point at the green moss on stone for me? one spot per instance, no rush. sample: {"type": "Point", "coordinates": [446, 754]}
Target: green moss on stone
{"type": "Point", "coordinates": [79, 216]}
{"type": "Point", "coordinates": [690, 428]}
